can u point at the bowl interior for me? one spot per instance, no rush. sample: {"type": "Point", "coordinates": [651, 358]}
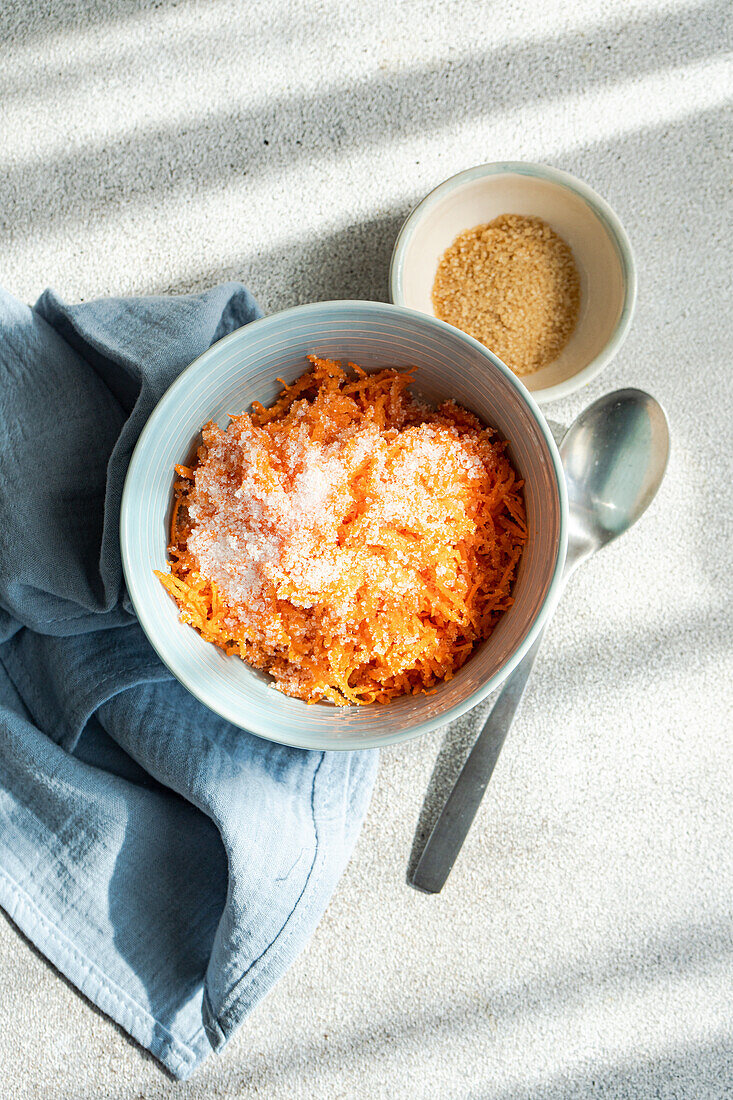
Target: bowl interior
{"type": "Point", "coordinates": [473, 199]}
{"type": "Point", "coordinates": [242, 368]}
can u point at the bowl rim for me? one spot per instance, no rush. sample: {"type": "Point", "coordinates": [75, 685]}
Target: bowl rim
{"type": "Point", "coordinates": [149, 625]}
{"type": "Point", "coordinates": [606, 215]}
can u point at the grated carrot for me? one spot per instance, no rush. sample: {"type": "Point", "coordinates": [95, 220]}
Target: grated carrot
{"type": "Point", "coordinates": [349, 541]}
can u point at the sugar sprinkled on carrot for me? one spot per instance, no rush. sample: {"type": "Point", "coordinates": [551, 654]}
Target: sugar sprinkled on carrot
{"type": "Point", "coordinates": [347, 540]}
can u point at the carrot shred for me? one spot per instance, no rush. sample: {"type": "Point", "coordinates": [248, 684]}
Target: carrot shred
{"type": "Point", "coordinates": [349, 541]}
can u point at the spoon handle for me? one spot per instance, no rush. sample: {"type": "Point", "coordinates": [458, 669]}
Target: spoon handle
{"type": "Point", "coordinates": [456, 817]}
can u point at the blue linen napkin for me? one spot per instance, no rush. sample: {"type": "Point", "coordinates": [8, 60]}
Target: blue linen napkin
{"type": "Point", "coordinates": [170, 864]}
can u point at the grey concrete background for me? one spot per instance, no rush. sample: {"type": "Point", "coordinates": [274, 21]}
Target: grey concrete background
{"type": "Point", "coordinates": [583, 945]}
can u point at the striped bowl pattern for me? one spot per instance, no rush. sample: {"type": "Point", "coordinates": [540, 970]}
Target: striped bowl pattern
{"type": "Point", "coordinates": [243, 367]}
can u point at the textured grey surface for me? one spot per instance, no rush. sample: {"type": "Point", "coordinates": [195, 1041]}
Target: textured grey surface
{"type": "Point", "coordinates": [583, 945]}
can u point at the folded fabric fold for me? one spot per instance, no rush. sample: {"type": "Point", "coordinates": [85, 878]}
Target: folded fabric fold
{"type": "Point", "coordinates": [170, 864]}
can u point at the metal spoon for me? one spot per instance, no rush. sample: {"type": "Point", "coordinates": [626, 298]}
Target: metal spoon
{"type": "Point", "coordinates": [614, 457]}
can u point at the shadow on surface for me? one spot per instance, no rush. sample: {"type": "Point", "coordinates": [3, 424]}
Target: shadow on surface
{"type": "Point", "coordinates": [699, 1069]}
{"type": "Point", "coordinates": [132, 40]}
{"type": "Point", "coordinates": [605, 49]}
{"type": "Point", "coordinates": [167, 161]}
{"type": "Point", "coordinates": [352, 262]}
{"type": "Point", "coordinates": [644, 963]}
{"type": "Point", "coordinates": [612, 658]}
{"type": "Point", "coordinates": [21, 22]}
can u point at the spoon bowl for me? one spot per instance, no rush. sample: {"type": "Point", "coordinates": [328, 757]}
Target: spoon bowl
{"type": "Point", "coordinates": [614, 457]}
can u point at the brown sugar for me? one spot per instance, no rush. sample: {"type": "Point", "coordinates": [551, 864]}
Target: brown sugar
{"type": "Point", "coordinates": [513, 285]}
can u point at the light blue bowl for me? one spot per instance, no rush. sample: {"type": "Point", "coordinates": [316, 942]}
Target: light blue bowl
{"type": "Point", "coordinates": [242, 368]}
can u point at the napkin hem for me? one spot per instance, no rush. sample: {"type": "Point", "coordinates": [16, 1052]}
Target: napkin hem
{"type": "Point", "coordinates": [179, 1058]}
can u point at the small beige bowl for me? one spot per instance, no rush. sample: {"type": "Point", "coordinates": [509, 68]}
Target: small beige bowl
{"type": "Point", "coordinates": [580, 216]}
